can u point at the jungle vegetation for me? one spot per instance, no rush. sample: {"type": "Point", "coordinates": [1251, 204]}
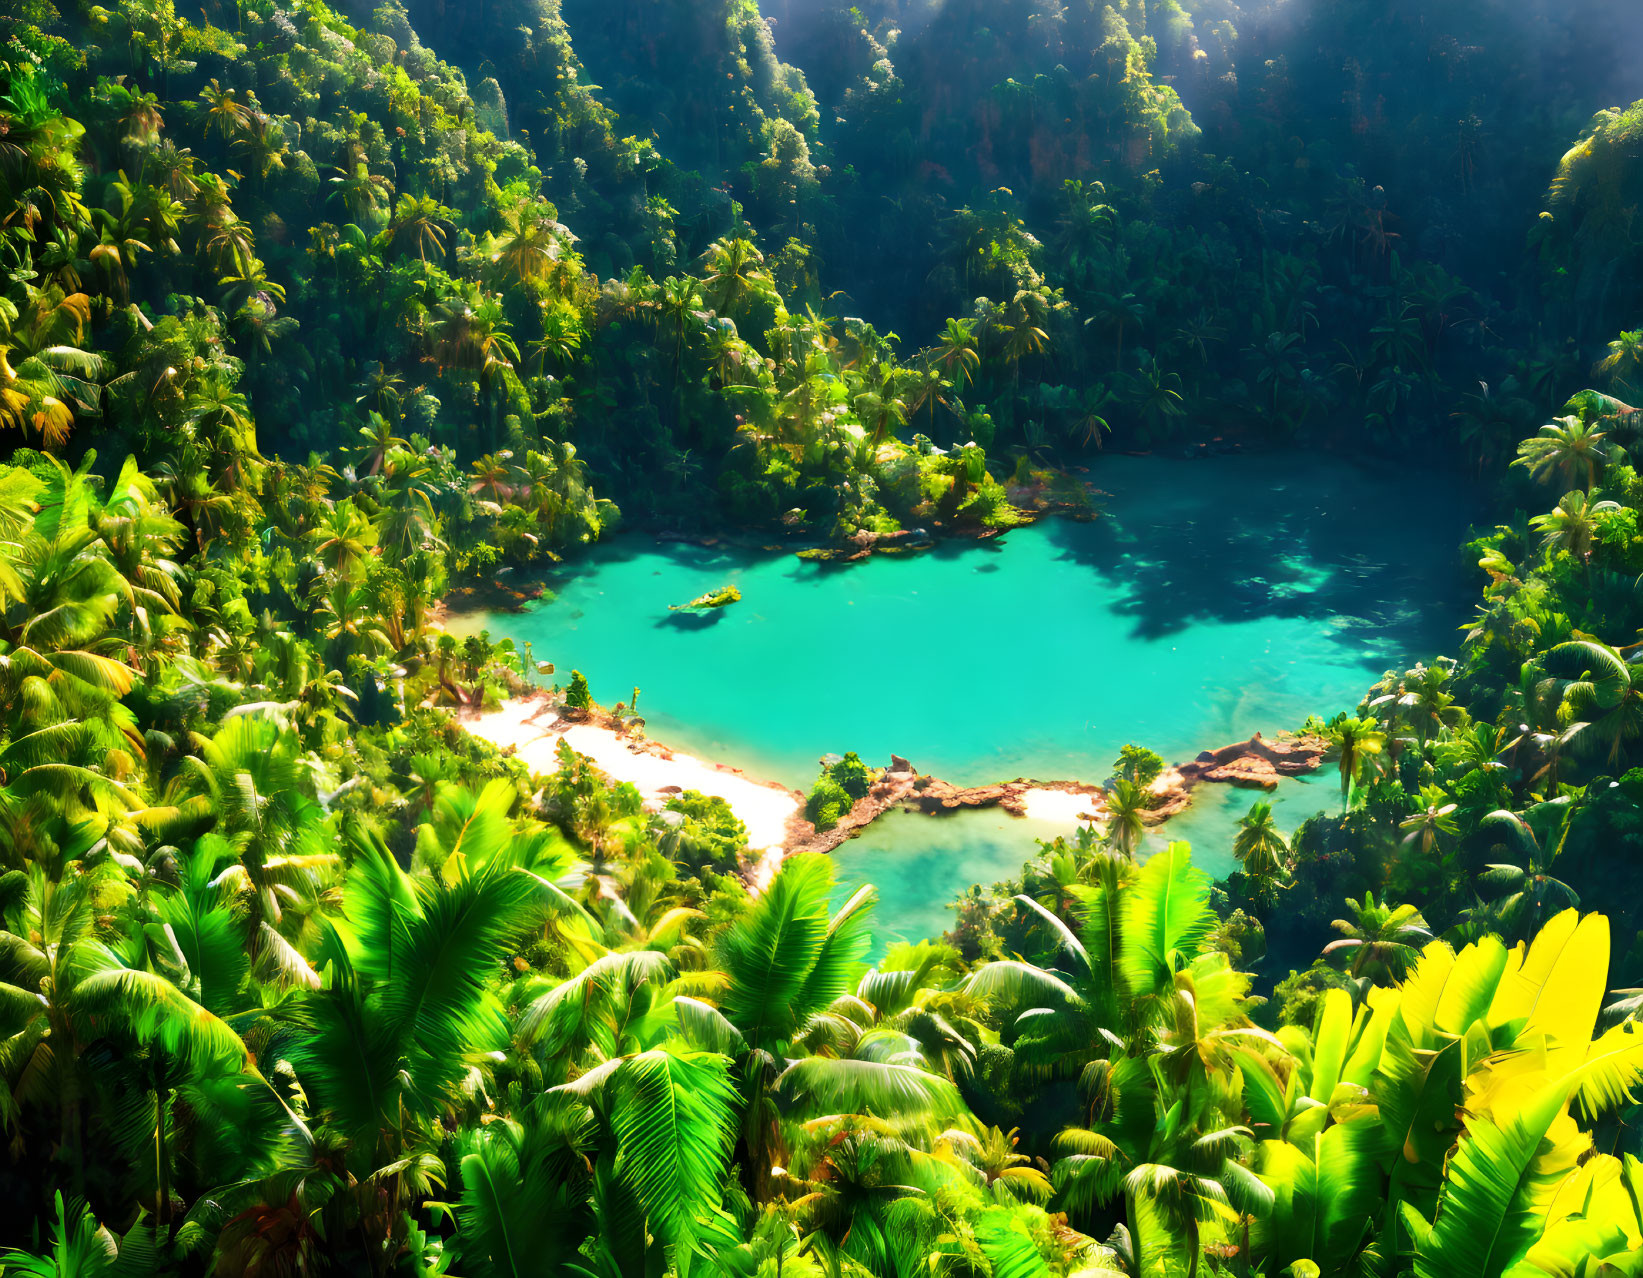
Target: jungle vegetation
{"type": "Point", "coordinates": [312, 314]}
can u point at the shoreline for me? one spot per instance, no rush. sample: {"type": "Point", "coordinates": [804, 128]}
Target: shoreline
{"type": "Point", "coordinates": [531, 727]}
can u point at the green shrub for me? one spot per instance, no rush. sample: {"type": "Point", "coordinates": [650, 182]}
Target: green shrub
{"type": "Point", "coordinates": [828, 802]}
{"type": "Point", "coordinates": [853, 775]}
{"type": "Point", "coordinates": [1138, 764]}
{"type": "Point", "coordinates": [1296, 996]}
{"type": "Point", "coordinates": [577, 696]}
{"type": "Point", "coordinates": [709, 837]}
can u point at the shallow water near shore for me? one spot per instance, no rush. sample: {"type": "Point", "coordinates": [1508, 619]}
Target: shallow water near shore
{"type": "Point", "coordinates": [1212, 599]}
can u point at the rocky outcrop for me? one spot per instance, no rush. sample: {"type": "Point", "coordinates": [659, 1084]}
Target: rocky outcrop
{"type": "Point", "coordinates": [1258, 763]}
{"type": "Point", "coordinates": [1255, 764]}
{"type": "Point", "coordinates": [902, 786]}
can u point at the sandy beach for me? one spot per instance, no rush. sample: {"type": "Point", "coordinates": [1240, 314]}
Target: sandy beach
{"type": "Point", "coordinates": [534, 729]}
{"type": "Point", "coordinates": [773, 814]}
{"type": "Point", "coordinates": [1060, 805]}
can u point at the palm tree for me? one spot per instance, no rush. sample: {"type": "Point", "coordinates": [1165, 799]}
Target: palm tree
{"type": "Point", "coordinates": [1086, 223]}
{"type": "Point", "coordinates": [220, 418]}
{"type": "Point", "coordinates": [51, 377]}
{"type": "Point", "coordinates": [767, 1010]}
{"type": "Point", "coordinates": [141, 542]}
{"type": "Point", "coordinates": [362, 192]}
{"type": "Point", "coordinates": [1006, 1174]}
{"type": "Point", "coordinates": [118, 251]}
{"type": "Point", "coordinates": [491, 475]}
{"type": "Point", "coordinates": [383, 1054]}
{"type": "Point", "coordinates": [1353, 742]}
{"type": "Point", "coordinates": [1604, 689]}
{"type": "Point", "coordinates": [881, 409]}
{"type": "Point", "coordinates": [1153, 1022]}
{"type": "Point", "coordinates": [929, 390]}
{"type": "Point", "coordinates": [407, 519]}
{"type": "Point", "coordinates": [1566, 449]}
{"type": "Point", "coordinates": [1115, 312]}
{"type": "Point", "coordinates": [1154, 394]}
{"type": "Point", "coordinates": [230, 245]}
{"type": "Point", "coordinates": [376, 441]}
{"type": "Point", "coordinates": [1624, 361]}
{"type": "Point", "coordinates": [250, 781]}
{"type": "Point", "coordinates": [1427, 702]}
{"type": "Point", "coordinates": [1088, 421]}
{"type": "Point", "coordinates": [206, 512]}
{"type": "Point", "coordinates": [679, 312]}
{"type": "Point", "coordinates": [60, 587]}
{"type": "Point", "coordinates": [562, 334]}
{"type": "Point", "coordinates": [1527, 894]}
{"type": "Point", "coordinates": [1381, 939]}
{"type": "Point", "coordinates": [955, 352]}
{"type": "Point", "coordinates": [1277, 357]}
{"type": "Point", "coordinates": [262, 144]}
{"type": "Point", "coordinates": [474, 334]}
{"type": "Point", "coordinates": [226, 115]}
{"type": "Point", "coordinates": [1126, 804]}
{"type": "Point", "coordinates": [1259, 847]}
{"type": "Point", "coordinates": [1020, 331]}
{"type": "Point", "coordinates": [418, 225]}
{"type": "Point", "coordinates": [247, 285]}
{"type": "Point", "coordinates": [1572, 526]}
{"type": "Point", "coordinates": [531, 252]}
{"type": "Point", "coordinates": [88, 990]}
{"type": "Point", "coordinates": [733, 274]}
{"type": "Point", "coordinates": [1431, 824]}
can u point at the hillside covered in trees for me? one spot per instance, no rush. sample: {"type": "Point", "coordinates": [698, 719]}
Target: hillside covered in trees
{"type": "Point", "coordinates": [316, 318]}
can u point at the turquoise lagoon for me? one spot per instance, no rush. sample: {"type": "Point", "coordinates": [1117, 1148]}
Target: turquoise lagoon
{"type": "Point", "coordinates": [1211, 600]}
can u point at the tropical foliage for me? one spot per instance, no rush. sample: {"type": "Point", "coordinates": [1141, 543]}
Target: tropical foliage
{"type": "Point", "coordinates": [308, 325]}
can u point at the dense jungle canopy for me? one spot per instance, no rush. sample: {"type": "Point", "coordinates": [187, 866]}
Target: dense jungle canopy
{"type": "Point", "coordinates": [315, 317]}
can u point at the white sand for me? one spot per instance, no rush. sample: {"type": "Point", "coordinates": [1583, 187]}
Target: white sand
{"type": "Point", "coordinates": [1060, 806]}
{"type": "Point", "coordinates": [763, 809]}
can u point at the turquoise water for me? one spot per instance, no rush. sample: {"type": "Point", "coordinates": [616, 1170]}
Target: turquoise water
{"type": "Point", "coordinates": [1213, 599]}
{"type": "Point", "coordinates": [919, 864]}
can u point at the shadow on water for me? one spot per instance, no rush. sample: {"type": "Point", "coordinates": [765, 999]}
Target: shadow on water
{"type": "Point", "coordinates": [1340, 543]}
{"type": "Point", "coordinates": [691, 620]}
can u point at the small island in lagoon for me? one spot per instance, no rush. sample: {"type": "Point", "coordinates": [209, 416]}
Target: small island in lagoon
{"type": "Point", "coordinates": [712, 600]}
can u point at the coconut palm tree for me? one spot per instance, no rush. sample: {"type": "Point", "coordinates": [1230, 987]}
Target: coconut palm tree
{"type": "Point", "coordinates": [1154, 395]}
{"type": "Point", "coordinates": [1114, 313]}
{"type": "Point", "coordinates": [1379, 939]}
{"type": "Point", "coordinates": [881, 409]}
{"type": "Point", "coordinates": [1572, 526]}
{"type": "Point", "coordinates": [1429, 826]}
{"type": "Point", "coordinates": [1259, 847]}
{"type": "Point", "coordinates": [1524, 895]}
{"type": "Point", "coordinates": [1353, 742]}
{"type": "Point", "coordinates": [1604, 689]}
{"type": "Point", "coordinates": [955, 352]}
{"type": "Point", "coordinates": [1020, 332]}
{"type": "Point", "coordinates": [418, 226]}
{"type": "Point", "coordinates": [1126, 804]}
{"type": "Point", "coordinates": [929, 391]}
{"type": "Point", "coordinates": [530, 254]}
{"type": "Point", "coordinates": [361, 192]}
{"type": "Point", "coordinates": [376, 441]}
{"type": "Point", "coordinates": [45, 378]}
{"type": "Point", "coordinates": [733, 274]}
{"type": "Point", "coordinates": [407, 519]}
{"type": "Point", "coordinates": [1567, 450]}
{"type": "Point", "coordinates": [262, 147]}
{"type": "Point", "coordinates": [1624, 361]}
